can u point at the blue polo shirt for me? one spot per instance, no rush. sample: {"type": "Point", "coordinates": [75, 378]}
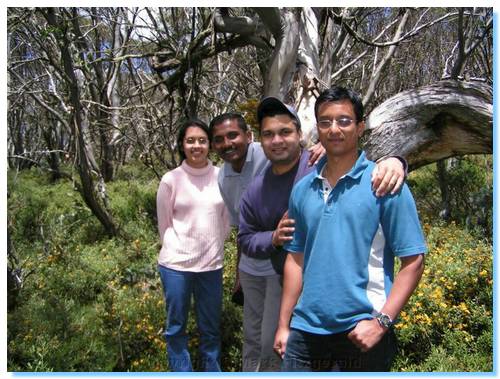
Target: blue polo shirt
{"type": "Point", "coordinates": [349, 243]}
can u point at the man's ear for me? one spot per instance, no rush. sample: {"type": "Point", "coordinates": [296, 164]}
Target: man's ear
{"type": "Point", "coordinates": [361, 128]}
{"type": "Point", "coordinates": [249, 135]}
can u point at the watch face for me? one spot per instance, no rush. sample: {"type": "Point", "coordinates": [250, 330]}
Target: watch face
{"type": "Point", "coordinates": [384, 320]}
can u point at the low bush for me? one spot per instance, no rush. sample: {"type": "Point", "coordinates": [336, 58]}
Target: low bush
{"type": "Point", "coordinates": [454, 299]}
{"type": "Point", "coordinates": [469, 182]}
{"type": "Point", "coordinates": [91, 303]}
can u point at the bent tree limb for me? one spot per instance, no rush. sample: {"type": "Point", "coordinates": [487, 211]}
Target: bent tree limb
{"type": "Point", "coordinates": [93, 194]}
{"type": "Point", "coordinates": [434, 122]}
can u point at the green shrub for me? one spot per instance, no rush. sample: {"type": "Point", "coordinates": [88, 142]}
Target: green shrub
{"type": "Point", "coordinates": [232, 314]}
{"type": "Point", "coordinates": [469, 181]}
{"type": "Point", "coordinates": [93, 303]}
{"type": "Point", "coordinates": [132, 200]}
{"type": "Point", "coordinates": [137, 318]}
{"type": "Point", "coordinates": [454, 298]}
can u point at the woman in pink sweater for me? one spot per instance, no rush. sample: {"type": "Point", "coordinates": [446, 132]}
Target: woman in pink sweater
{"type": "Point", "coordinates": [193, 223]}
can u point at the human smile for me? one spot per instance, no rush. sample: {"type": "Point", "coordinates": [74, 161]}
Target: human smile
{"type": "Point", "coordinates": [196, 152]}
{"type": "Point", "coordinates": [279, 150]}
{"type": "Point", "coordinates": [229, 152]}
{"type": "Point", "coordinates": [335, 140]}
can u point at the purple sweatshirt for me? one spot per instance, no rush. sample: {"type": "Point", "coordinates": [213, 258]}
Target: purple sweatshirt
{"type": "Point", "coordinates": [262, 206]}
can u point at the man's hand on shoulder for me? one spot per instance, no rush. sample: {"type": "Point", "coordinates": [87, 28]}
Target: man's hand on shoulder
{"type": "Point", "coordinates": [316, 152]}
{"type": "Point", "coordinates": [388, 176]}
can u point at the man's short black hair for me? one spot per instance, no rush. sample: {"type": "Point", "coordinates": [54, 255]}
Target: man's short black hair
{"type": "Point", "coordinates": [224, 117]}
{"type": "Point", "coordinates": [338, 93]}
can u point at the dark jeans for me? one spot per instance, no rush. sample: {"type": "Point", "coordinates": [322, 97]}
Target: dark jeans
{"type": "Point", "coordinates": [206, 288]}
{"type": "Point", "coordinates": [335, 352]}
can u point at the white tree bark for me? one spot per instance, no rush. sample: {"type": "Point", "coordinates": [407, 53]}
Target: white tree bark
{"type": "Point", "coordinates": [438, 121]}
{"type": "Point", "coordinates": [309, 67]}
{"type": "Point", "coordinates": [284, 57]}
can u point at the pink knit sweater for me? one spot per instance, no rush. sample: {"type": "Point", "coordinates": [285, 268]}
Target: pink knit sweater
{"type": "Point", "coordinates": [192, 219]}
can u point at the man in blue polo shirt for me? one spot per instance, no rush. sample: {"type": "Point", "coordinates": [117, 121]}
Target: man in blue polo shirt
{"type": "Point", "coordinates": [264, 227]}
{"type": "Point", "coordinates": [339, 295]}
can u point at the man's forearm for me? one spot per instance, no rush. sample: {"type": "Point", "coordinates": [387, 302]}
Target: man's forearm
{"type": "Point", "coordinates": [405, 283]}
{"type": "Point", "coordinates": [367, 333]}
{"type": "Point", "coordinates": [254, 244]}
{"type": "Point", "coordinates": [292, 287]}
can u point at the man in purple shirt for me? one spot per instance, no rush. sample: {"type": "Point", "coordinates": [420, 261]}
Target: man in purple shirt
{"type": "Point", "coordinates": [263, 205]}
{"type": "Point", "coordinates": [264, 227]}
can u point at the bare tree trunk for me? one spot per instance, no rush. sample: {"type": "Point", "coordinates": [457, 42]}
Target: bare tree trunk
{"type": "Point", "coordinates": [295, 61]}
{"type": "Point", "coordinates": [285, 30]}
{"type": "Point", "coordinates": [445, 193]}
{"type": "Point", "coordinates": [307, 74]}
{"type": "Point", "coordinates": [120, 40]}
{"type": "Point", "coordinates": [101, 89]}
{"type": "Point", "coordinates": [15, 127]}
{"type": "Point", "coordinates": [13, 284]}
{"type": "Point", "coordinates": [94, 195]}
{"type": "Point", "coordinates": [434, 122]}
{"type": "Point", "coordinates": [50, 134]}
{"type": "Point", "coordinates": [17, 139]}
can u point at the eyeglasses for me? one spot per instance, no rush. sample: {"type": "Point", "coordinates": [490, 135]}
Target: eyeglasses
{"type": "Point", "coordinates": [342, 122]}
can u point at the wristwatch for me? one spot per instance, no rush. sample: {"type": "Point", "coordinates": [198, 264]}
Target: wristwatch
{"type": "Point", "coordinates": [384, 320]}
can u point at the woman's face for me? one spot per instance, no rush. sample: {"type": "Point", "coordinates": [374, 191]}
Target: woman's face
{"type": "Point", "coordinates": [196, 147]}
